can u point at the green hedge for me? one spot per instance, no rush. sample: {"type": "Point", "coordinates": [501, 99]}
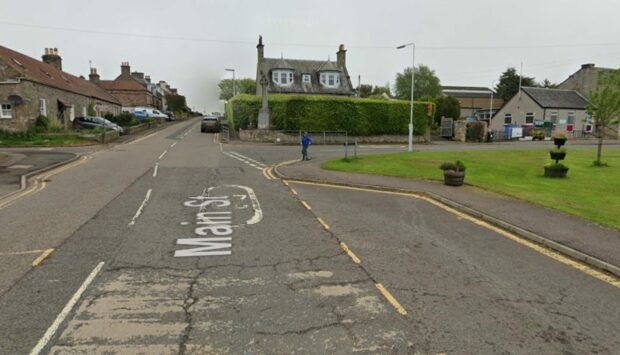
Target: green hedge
{"type": "Point", "coordinates": [359, 117]}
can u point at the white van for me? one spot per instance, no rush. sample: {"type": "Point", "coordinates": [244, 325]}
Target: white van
{"type": "Point", "coordinates": [148, 112]}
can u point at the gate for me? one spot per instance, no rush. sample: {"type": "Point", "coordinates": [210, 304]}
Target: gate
{"type": "Point", "coordinates": [224, 134]}
{"type": "Point", "coordinates": [447, 125]}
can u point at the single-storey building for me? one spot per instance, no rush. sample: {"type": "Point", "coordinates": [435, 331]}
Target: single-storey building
{"type": "Point", "coordinates": [300, 76]}
{"type": "Point", "coordinates": [474, 101]}
{"type": "Point", "coordinates": [29, 88]}
{"type": "Point", "coordinates": [565, 109]}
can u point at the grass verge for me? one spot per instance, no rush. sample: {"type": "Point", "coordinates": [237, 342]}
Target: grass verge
{"type": "Point", "coordinates": [588, 191]}
{"type": "Point", "coordinates": [32, 139]}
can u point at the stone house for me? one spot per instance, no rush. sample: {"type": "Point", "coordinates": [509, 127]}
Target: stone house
{"type": "Point", "coordinates": [29, 88]}
{"type": "Point", "coordinates": [474, 101]}
{"type": "Point", "coordinates": [585, 80]}
{"type": "Point", "coordinates": [126, 88]}
{"type": "Point", "coordinates": [300, 76]}
{"type": "Point", "coordinates": [565, 109]}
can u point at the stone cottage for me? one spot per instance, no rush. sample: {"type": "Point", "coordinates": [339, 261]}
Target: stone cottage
{"type": "Point", "coordinates": [300, 76]}
{"type": "Point", "coordinates": [29, 88]}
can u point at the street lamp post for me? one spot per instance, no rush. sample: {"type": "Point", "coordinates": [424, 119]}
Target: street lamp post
{"type": "Point", "coordinates": [412, 81]}
{"type": "Point", "coordinates": [233, 86]}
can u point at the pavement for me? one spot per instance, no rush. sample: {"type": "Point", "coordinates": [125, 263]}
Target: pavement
{"type": "Point", "coordinates": [589, 238]}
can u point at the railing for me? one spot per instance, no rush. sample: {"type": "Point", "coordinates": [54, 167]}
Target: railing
{"type": "Point", "coordinates": [318, 137]}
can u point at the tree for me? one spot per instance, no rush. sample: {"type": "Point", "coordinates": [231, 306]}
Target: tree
{"type": "Point", "coordinates": [242, 86]}
{"type": "Point", "coordinates": [508, 84]}
{"type": "Point", "coordinates": [426, 83]}
{"type": "Point", "coordinates": [548, 84]}
{"type": "Point", "coordinates": [447, 106]}
{"type": "Point", "coordinates": [380, 90]}
{"type": "Point", "coordinates": [365, 90]}
{"type": "Point", "coordinates": [176, 103]}
{"type": "Point", "coordinates": [604, 106]}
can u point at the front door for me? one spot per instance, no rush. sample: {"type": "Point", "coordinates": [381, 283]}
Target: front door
{"type": "Point", "coordinates": [61, 113]}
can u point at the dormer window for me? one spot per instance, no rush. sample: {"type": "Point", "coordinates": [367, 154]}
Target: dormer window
{"type": "Point", "coordinates": [306, 79]}
{"type": "Point", "coordinates": [330, 79]}
{"type": "Point", "coordinates": [282, 77]}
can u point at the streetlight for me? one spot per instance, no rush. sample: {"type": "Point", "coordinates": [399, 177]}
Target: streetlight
{"type": "Point", "coordinates": [412, 80]}
{"type": "Point", "coordinates": [233, 88]}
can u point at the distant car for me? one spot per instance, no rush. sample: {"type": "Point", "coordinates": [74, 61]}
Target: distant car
{"type": "Point", "coordinates": [210, 124]}
{"type": "Point", "coordinates": [148, 112]}
{"type": "Point", "coordinates": [92, 122]}
{"type": "Point", "coordinates": [170, 116]}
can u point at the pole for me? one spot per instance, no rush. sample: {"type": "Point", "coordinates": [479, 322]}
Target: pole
{"type": "Point", "coordinates": [234, 83]}
{"type": "Point", "coordinates": [411, 110]}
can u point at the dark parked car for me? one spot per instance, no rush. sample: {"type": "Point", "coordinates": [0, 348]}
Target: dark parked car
{"type": "Point", "coordinates": [92, 122]}
{"type": "Point", "coordinates": [170, 115]}
{"type": "Point", "coordinates": [210, 124]}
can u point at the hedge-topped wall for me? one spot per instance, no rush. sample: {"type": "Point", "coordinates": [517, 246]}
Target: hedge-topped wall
{"type": "Point", "coordinates": [359, 117]}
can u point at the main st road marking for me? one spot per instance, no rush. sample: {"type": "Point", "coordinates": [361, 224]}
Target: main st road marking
{"type": "Point", "coordinates": [215, 217]}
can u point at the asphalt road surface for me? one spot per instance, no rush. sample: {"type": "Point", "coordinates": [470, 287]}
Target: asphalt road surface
{"type": "Point", "coordinates": [177, 244]}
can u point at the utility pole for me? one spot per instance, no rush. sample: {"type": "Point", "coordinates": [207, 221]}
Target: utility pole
{"type": "Point", "coordinates": [410, 148]}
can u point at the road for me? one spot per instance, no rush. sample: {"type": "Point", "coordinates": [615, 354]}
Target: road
{"type": "Point", "coordinates": [177, 244]}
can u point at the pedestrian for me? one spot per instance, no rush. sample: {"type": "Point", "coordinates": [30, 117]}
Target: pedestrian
{"type": "Point", "coordinates": [306, 140]}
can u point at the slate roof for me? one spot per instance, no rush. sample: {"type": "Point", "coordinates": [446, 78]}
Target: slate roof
{"type": "Point", "coordinates": [121, 85]}
{"type": "Point", "coordinates": [302, 66]}
{"type": "Point", "coordinates": [47, 74]}
{"type": "Point", "coordinates": [556, 98]}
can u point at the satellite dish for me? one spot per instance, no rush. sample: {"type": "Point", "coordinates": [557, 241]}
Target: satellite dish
{"type": "Point", "coordinates": [15, 100]}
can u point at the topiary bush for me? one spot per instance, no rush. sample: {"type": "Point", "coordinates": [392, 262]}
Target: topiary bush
{"type": "Point", "coordinates": [360, 117]}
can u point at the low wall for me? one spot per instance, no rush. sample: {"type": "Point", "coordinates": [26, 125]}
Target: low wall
{"type": "Point", "coordinates": [279, 137]}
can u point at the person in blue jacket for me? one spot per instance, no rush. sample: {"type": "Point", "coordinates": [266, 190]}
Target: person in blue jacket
{"type": "Point", "coordinates": [305, 142]}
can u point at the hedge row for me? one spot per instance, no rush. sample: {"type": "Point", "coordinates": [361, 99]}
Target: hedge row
{"type": "Point", "coordinates": [359, 117]}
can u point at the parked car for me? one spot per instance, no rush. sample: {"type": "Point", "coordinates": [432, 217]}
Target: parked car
{"type": "Point", "coordinates": [148, 112]}
{"type": "Point", "coordinates": [210, 124]}
{"type": "Point", "coordinates": [92, 122]}
{"type": "Point", "coordinates": [170, 115]}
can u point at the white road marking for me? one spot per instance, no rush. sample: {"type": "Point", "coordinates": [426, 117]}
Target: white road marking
{"type": "Point", "coordinates": [162, 154]}
{"type": "Point", "coordinates": [258, 212]}
{"type": "Point", "coordinates": [143, 138]}
{"type": "Point", "coordinates": [139, 212]}
{"type": "Point", "coordinates": [49, 334]}
{"type": "Point", "coordinates": [155, 170]}
{"type": "Point", "coordinates": [173, 144]}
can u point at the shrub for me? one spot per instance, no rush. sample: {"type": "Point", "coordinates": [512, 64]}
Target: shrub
{"type": "Point", "coordinates": [359, 117]}
{"type": "Point", "coordinates": [42, 123]}
{"type": "Point", "coordinates": [456, 166]}
{"type": "Point", "coordinates": [477, 131]}
{"type": "Point", "coordinates": [124, 119]}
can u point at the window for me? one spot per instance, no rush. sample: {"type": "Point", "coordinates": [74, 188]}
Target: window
{"type": "Point", "coordinates": [554, 116]}
{"type": "Point", "coordinates": [570, 117]}
{"type": "Point", "coordinates": [507, 118]}
{"type": "Point", "coordinates": [529, 117]}
{"type": "Point", "coordinates": [330, 79]}
{"type": "Point", "coordinates": [306, 79]}
{"type": "Point", "coordinates": [6, 111]}
{"type": "Point", "coordinates": [42, 107]}
{"type": "Point", "coordinates": [282, 77]}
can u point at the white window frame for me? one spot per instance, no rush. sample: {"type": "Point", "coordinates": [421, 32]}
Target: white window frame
{"type": "Point", "coordinates": [509, 117]}
{"type": "Point", "coordinates": [330, 79]}
{"type": "Point", "coordinates": [570, 117]}
{"type": "Point", "coordinates": [306, 79]}
{"type": "Point", "coordinates": [283, 77]}
{"type": "Point", "coordinates": [553, 117]}
{"type": "Point", "coordinates": [4, 108]}
{"type": "Point", "coordinates": [43, 107]}
{"type": "Point", "coordinates": [531, 116]}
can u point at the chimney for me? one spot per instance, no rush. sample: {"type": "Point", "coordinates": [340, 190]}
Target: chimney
{"type": "Point", "coordinates": [259, 47]}
{"type": "Point", "coordinates": [341, 56]}
{"type": "Point", "coordinates": [51, 57]}
{"type": "Point", "coordinates": [125, 69]}
{"type": "Point", "coordinates": [93, 76]}
{"type": "Point", "coordinates": [138, 75]}
{"type": "Point", "coordinates": [587, 66]}
{"type": "Point", "coordinates": [147, 78]}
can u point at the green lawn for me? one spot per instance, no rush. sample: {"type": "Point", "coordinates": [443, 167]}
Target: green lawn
{"type": "Point", "coordinates": [39, 140]}
{"type": "Point", "coordinates": [589, 192]}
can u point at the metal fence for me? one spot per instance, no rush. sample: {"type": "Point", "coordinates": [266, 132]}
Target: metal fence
{"type": "Point", "coordinates": [224, 134]}
{"type": "Point", "coordinates": [318, 137]}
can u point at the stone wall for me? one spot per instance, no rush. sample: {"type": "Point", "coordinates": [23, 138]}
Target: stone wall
{"type": "Point", "coordinates": [24, 115]}
{"type": "Point", "coordinates": [279, 137]}
{"type": "Point", "coordinates": [460, 130]}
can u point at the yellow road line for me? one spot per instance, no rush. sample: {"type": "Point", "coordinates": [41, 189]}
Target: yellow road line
{"type": "Point", "coordinates": [265, 174]}
{"type": "Point", "coordinates": [325, 225]}
{"type": "Point", "coordinates": [350, 253]}
{"type": "Point", "coordinates": [307, 206]}
{"type": "Point", "coordinates": [391, 299]}
{"type": "Point", "coordinates": [42, 257]}
{"type": "Point", "coordinates": [589, 270]}
{"type": "Point", "coordinates": [21, 252]}
{"type": "Point", "coordinates": [293, 191]}
{"type": "Point", "coordinates": [270, 172]}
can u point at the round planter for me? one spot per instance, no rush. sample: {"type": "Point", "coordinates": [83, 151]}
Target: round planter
{"type": "Point", "coordinates": [559, 173]}
{"type": "Point", "coordinates": [557, 155]}
{"type": "Point", "coordinates": [453, 178]}
{"type": "Point", "coordinates": [559, 141]}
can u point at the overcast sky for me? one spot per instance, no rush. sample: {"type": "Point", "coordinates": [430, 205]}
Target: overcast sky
{"type": "Point", "coordinates": [189, 43]}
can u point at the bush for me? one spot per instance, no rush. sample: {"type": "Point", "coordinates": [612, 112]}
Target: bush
{"type": "Point", "coordinates": [358, 117]}
{"type": "Point", "coordinates": [477, 131]}
{"type": "Point", "coordinates": [456, 166]}
{"type": "Point", "coordinates": [124, 119]}
{"type": "Point", "coordinates": [42, 123]}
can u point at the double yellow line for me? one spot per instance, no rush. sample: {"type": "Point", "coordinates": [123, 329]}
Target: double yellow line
{"type": "Point", "coordinates": [268, 173]}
